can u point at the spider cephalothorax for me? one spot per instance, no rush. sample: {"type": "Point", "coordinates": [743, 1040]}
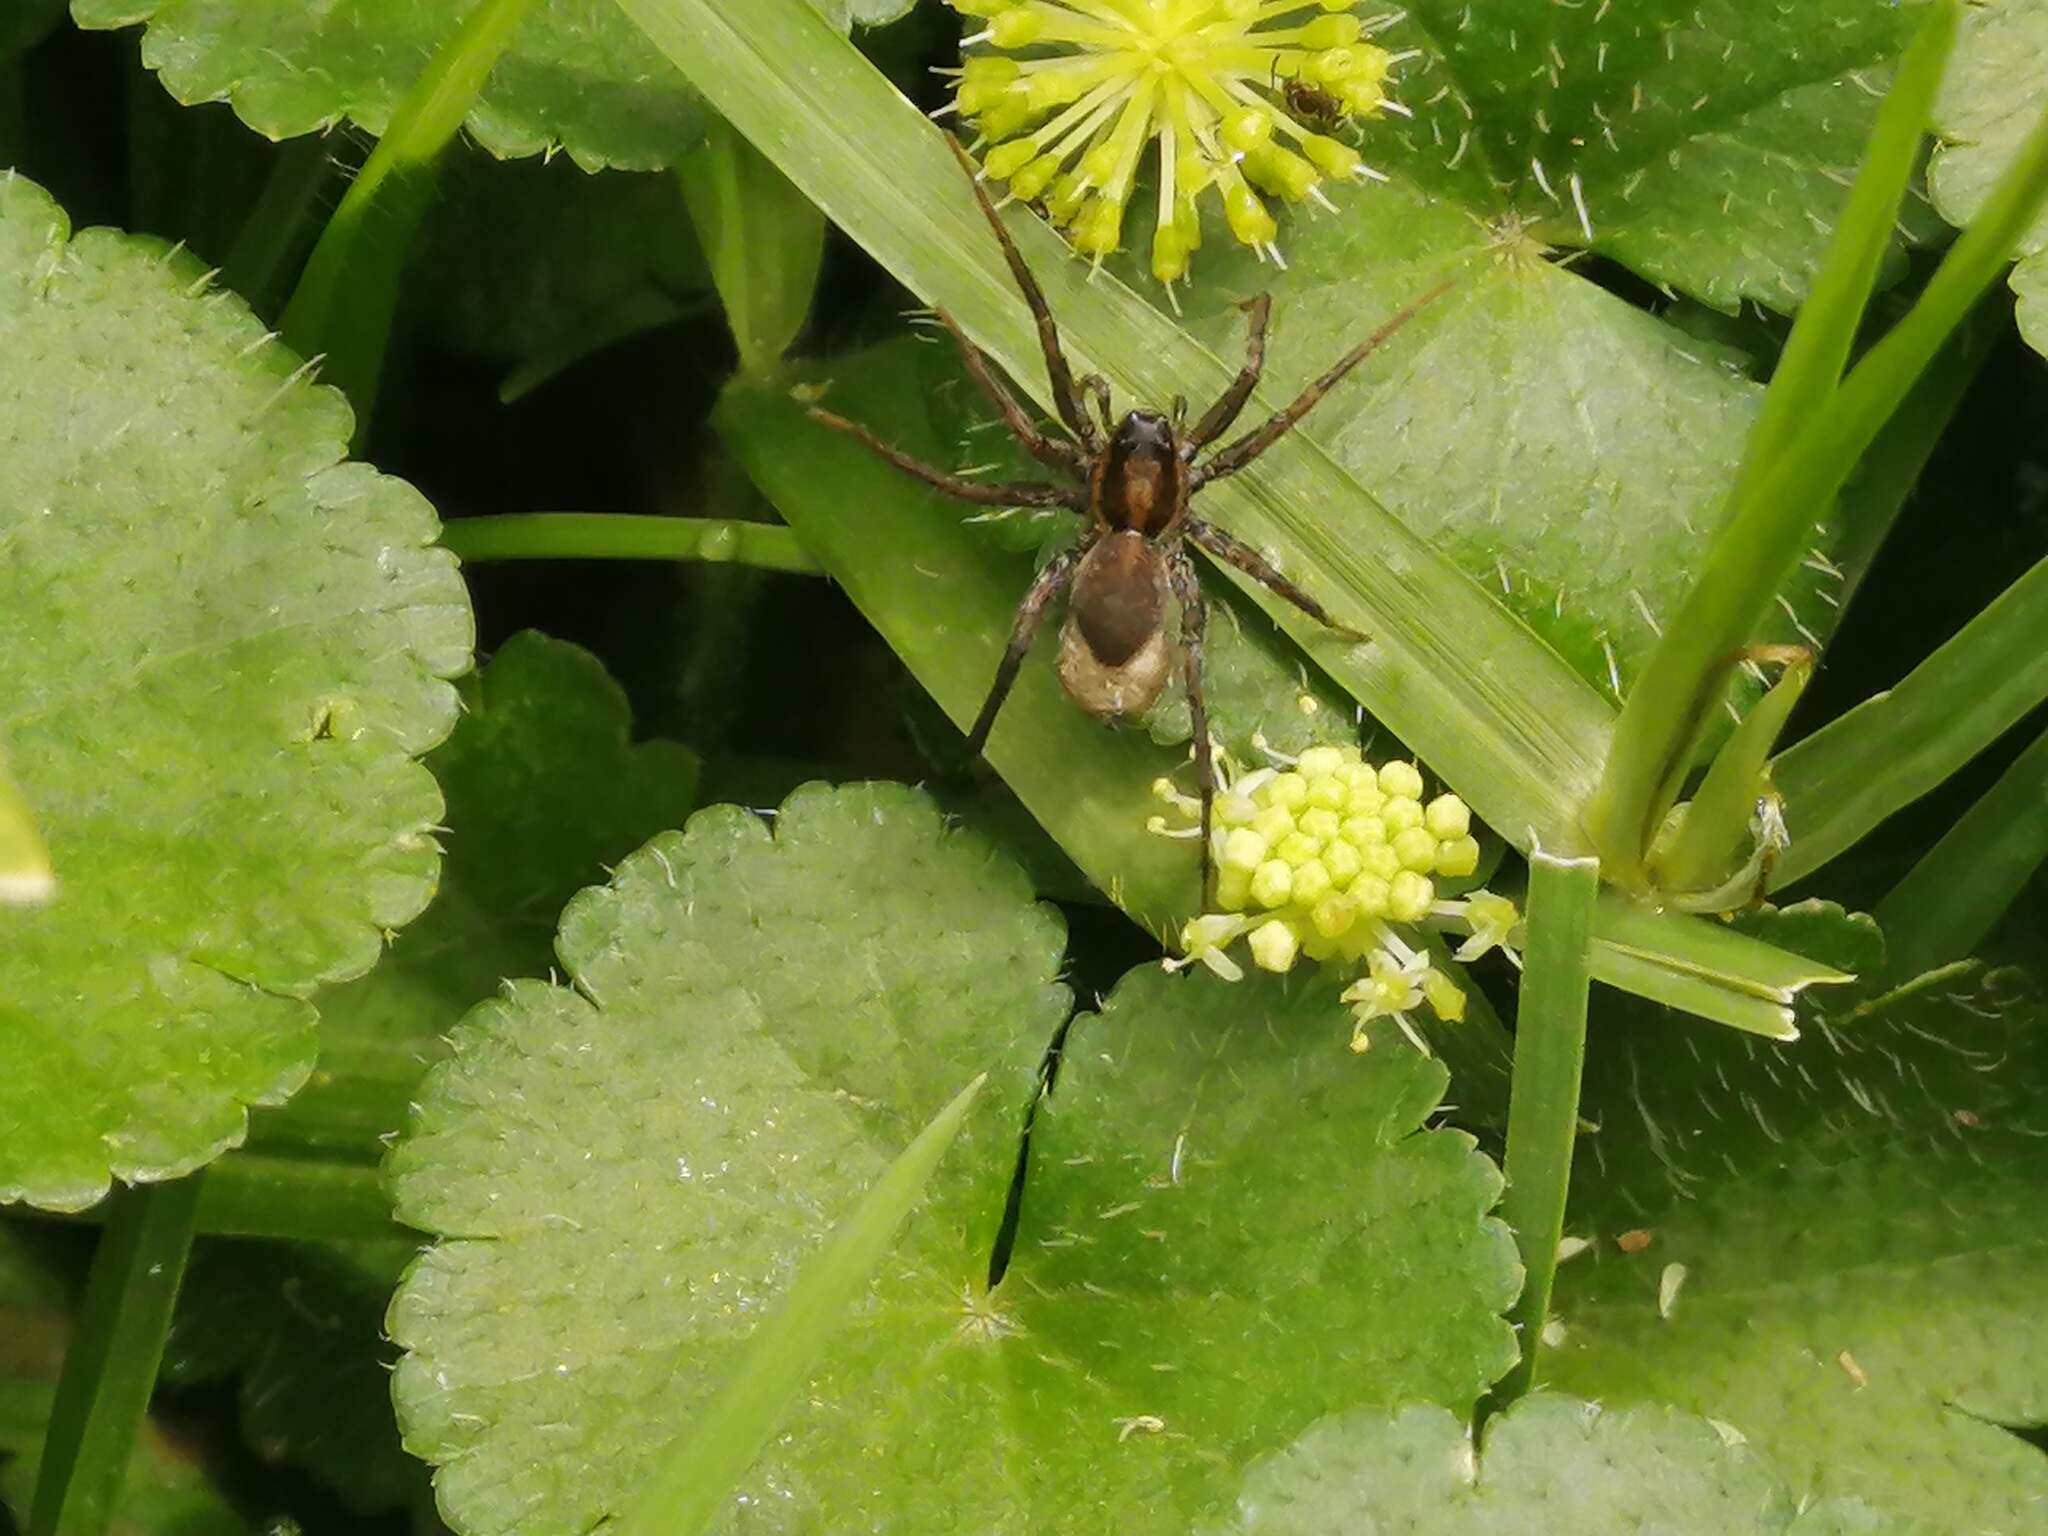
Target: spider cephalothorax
{"type": "Point", "coordinates": [1131, 477]}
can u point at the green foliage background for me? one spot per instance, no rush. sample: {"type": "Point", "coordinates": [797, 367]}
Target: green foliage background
{"type": "Point", "coordinates": [627, 1040]}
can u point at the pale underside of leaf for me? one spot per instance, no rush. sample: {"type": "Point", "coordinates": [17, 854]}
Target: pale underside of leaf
{"type": "Point", "coordinates": [223, 646]}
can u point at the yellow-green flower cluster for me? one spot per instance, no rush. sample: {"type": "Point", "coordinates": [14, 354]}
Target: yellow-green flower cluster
{"type": "Point", "coordinates": [1321, 859]}
{"type": "Point", "coordinates": [1216, 82]}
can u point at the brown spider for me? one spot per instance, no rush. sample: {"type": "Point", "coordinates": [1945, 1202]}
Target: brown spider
{"type": "Point", "coordinates": [1132, 478]}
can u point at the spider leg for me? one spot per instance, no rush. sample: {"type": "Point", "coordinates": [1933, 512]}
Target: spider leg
{"type": "Point", "coordinates": [1048, 451]}
{"type": "Point", "coordinates": [1236, 552]}
{"type": "Point", "coordinates": [1228, 461]}
{"type": "Point", "coordinates": [987, 493]}
{"type": "Point", "coordinates": [1217, 419]}
{"type": "Point", "coordinates": [1194, 614]}
{"type": "Point", "coordinates": [1058, 571]}
{"type": "Point", "coordinates": [1057, 373]}
{"type": "Point", "coordinates": [1096, 388]}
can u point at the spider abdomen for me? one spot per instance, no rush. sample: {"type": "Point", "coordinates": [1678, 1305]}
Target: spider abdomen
{"type": "Point", "coordinates": [1114, 654]}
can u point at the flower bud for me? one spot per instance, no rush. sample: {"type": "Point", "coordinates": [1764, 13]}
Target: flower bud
{"type": "Point", "coordinates": [1409, 896]}
{"type": "Point", "coordinates": [1006, 160]}
{"type": "Point", "coordinates": [1274, 946]}
{"type": "Point", "coordinates": [1458, 858]}
{"type": "Point", "coordinates": [1273, 883]}
{"type": "Point", "coordinates": [1016, 28]}
{"type": "Point", "coordinates": [1247, 216]}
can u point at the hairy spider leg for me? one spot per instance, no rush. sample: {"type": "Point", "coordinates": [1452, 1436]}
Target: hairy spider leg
{"type": "Point", "coordinates": [1194, 615]}
{"type": "Point", "coordinates": [1050, 452]}
{"type": "Point", "coordinates": [1217, 419]}
{"type": "Point", "coordinates": [1058, 374]}
{"type": "Point", "coordinates": [1228, 461]}
{"type": "Point", "coordinates": [1059, 570]}
{"type": "Point", "coordinates": [1235, 551]}
{"type": "Point", "coordinates": [987, 493]}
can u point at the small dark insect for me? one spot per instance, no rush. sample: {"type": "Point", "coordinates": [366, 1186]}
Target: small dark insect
{"type": "Point", "coordinates": [1132, 479]}
{"type": "Point", "coordinates": [1316, 107]}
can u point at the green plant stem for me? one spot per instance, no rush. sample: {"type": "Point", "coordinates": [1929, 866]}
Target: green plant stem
{"type": "Point", "coordinates": [318, 1192]}
{"type": "Point", "coordinates": [1492, 709]}
{"type": "Point", "coordinates": [1543, 1109]}
{"type": "Point", "coordinates": [625, 536]}
{"type": "Point", "coordinates": [1891, 749]}
{"type": "Point", "coordinates": [342, 307]}
{"type": "Point", "coordinates": [252, 1194]}
{"type": "Point", "coordinates": [1955, 895]}
{"type": "Point", "coordinates": [1766, 528]}
{"type": "Point", "coordinates": [282, 221]}
{"type": "Point", "coordinates": [694, 1478]}
{"type": "Point", "coordinates": [111, 1364]}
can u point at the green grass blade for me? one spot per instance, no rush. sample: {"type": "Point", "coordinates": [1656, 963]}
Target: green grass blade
{"type": "Point", "coordinates": [1703, 967]}
{"type": "Point", "coordinates": [1481, 699]}
{"type": "Point", "coordinates": [1888, 751]}
{"type": "Point", "coordinates": [1709, 844]}
{"type": "Point", "coordinates": [345, 298]}
{"type": "Point", "coordinates": [1817, 350]}
{"type": "Point", "coordinates": [1543, 1112]}
{"type": "Point", "coordinates": [694, 1481]}
{"type": "Point", "coordinates": [1690, 992]}
{"type": "Point", "coordinates": [1955, 895]}
{"type": "Point", "coordinates": [763, 239]}
{"type": "Point", "coordinates": [1765, 533]}
{"type": "Point", "coordinates": [110, 1366]}
{"type": "Point", "coordinates": [627, 536]}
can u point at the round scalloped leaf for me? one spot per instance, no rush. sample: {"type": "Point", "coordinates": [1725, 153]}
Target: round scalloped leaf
{"type": "Point", "coordinates": [1151, 1333]}
{"type": "Point", "coordinates": [1549, 1463]}
{"type": "Point", "coordinates": [1996, 90]}
{"type": "Point", "coordinates": [1234, 1226]}
{"type": "Point", "coordinates": [1845, 1239]}
{"type": "Point", "coordinates": [626, 1173]}
{"type": "Point", "coordinates": [579, 75]}
{"type": "Point", "coordinates": [223, 645]}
